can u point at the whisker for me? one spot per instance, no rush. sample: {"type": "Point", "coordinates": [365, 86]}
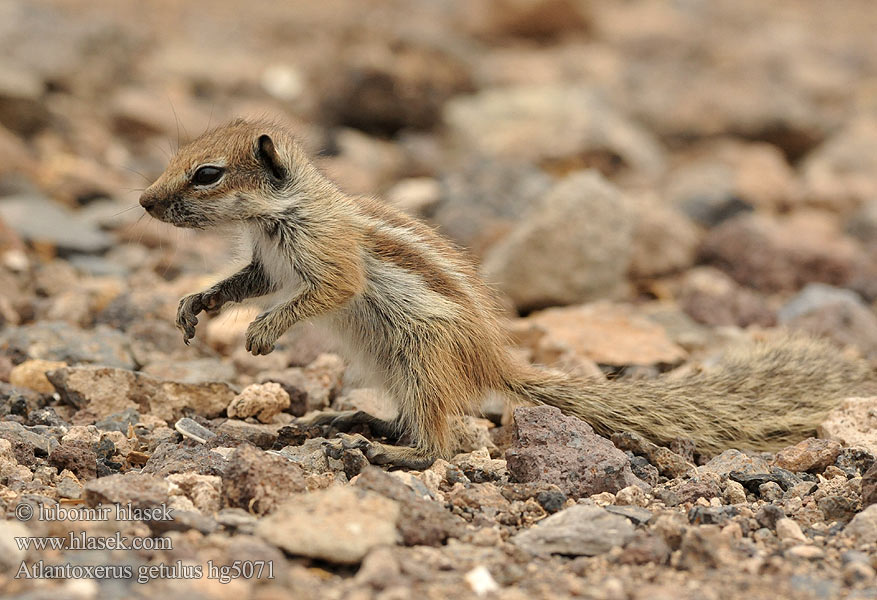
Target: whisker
{"type": "Point", "coordinates": [163, 151]}
{"type": "Point", "coordinates": [126, 210]}
{"type": "Point", "coordinates": [131, 226]}
{"type": "Point", "coordinates": [136, 172]}
{"type": "Point", "coordinates": [210, 118]}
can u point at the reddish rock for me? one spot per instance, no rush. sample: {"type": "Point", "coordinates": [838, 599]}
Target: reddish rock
{"type": "Point", "coordinates": [811, 454]}
{"type": "Point", "coordinates": [77, 456]}
{"type": "Point", "coordinates": [711, 297]}
{"type": "Point", "coordinates": [259, 482]}
{"type": "Point", "coordinates": [553, 448]}
{"type": "Point", "coordinates": [776, 256]}
{"type": "Point", "coordinates": [612, 334]}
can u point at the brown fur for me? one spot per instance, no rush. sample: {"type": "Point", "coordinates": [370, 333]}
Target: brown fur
{"type": "Point", "coordinates": [411, 308]}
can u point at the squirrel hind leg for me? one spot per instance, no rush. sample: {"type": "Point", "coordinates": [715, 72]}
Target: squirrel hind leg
{"type": "Point", "coordinates": [345, 420]}
{"type": "Point", "coordinates": [378, 453]}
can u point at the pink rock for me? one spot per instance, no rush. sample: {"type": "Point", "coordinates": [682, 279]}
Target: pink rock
{"type": "Point", "coordinates": [553, 448]}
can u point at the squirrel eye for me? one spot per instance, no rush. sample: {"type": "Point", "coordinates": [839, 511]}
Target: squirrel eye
{"type": "Point", "coordinates": [207, 175]}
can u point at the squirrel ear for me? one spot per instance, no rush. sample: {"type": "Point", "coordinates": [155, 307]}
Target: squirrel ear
{"type": "Point", "coordinates": [266, 153]}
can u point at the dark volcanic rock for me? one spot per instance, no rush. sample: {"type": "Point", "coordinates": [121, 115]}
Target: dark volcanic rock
{"type": "Point", "coordinates": [553, 448]}
{"type": "Point", "coordinates": [854, 461]}
{"type": "Point", "coordinates": [258, 481]}
{"type": "Point", "coordinates": [172, 457]}
{"type": "Point", "coordinates": [869, 486]}
{"type": "Point", "coordinates": [768, 515]}
{"type": "Point", "coordinates": [549, 496]}
{"type": "Point", "coordinates": [421, 522]}
{"type": "Point", "coordinates": [141, 490]}
{"type": "Point", "coordinates": [76, 455]}
{"type": "Point", "coordinates": [668, 463]}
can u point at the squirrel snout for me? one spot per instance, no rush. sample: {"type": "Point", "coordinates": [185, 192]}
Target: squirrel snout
{"type": "Point", "coordinates": [148, 201]}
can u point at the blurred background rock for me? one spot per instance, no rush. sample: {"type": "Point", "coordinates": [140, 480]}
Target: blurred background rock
{"type": "Point", "coordinates": [642, 180]}
{"type": "Point", "coordinates": [711, 158]}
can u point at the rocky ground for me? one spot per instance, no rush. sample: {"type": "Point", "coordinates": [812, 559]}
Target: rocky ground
{"type": "Point", "coordinates": [643, 181]}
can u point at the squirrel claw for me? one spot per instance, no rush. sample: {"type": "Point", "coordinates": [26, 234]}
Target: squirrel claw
{"type": "Point", "coordinates": [336, 447]}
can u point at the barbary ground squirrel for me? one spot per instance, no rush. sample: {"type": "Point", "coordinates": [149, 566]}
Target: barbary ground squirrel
{"type": "Point", "coordinates": [411, 310]}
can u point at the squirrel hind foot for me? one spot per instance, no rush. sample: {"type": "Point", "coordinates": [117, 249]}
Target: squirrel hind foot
{"type": "Point", "coordinates": [378, 453]}
{"type": "Point", "coordinates": [345, 420]}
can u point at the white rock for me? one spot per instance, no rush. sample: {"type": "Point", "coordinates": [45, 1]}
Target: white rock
{"type": "Point", "coordinates": [481, 581]}
{"type": "Point", "coordinates": [788, 529]}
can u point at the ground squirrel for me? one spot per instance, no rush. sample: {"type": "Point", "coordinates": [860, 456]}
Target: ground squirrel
{"type": "Point", "coordinates": [410, 309]}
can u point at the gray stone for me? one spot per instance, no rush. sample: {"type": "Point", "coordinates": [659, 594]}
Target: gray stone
{"type": "Point", "coordinates": [58, 341]}
{"type": "Point", "coordinates": [863, 527]}
{"type": "Point", "coordinates": [665, 460]}
{"type": "Point", "coordinates": [550, 123]}
{"type": "Point", "coordinates": [68, 488]}
{"type": "Point", "coordinates": [813, 297]}
{"type": "Point", "coordinates": [199, 370]}
{"type": "Point", "coordinates": [637, 514]}
{"type": "Point", "coordinates": [119, 421]}
{"type": "Point", "coordinates": [105, 391]}
{"type": "Point", "coordinates": [338, 525]}
{"type": "Point", "coordinates": [141, 490]}
{"type": "Point", "coordinates": [22, 107]}
{"type": "Point", "coordinates": [422, 522]}
{"type": "Point", "coordinates": [258, 434]}
{"type": "Point", "coordinates": [573, 246]}
{"type": "Point", "coordinates": [173, 457]}
{"type": "Point", "coordinates": [18, 433]}
{"type": "Point", "coordinates": [706, 193]}
{"type": "Point", "coordinates": [259, 481]}
{"type": "Point", "coordinates": [485, 199]}
{"type": "Point", "coordinates": [579, 530]}
{"type": "Point", "coordinates": [835, 313]}
{"type": "Point", "coordinates": [38, 219]}
{"type": "Point", "coordinates": [863, 225]}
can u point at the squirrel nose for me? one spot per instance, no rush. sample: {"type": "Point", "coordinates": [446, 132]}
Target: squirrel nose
{"type": "Point", "coordinates": [147, 201]}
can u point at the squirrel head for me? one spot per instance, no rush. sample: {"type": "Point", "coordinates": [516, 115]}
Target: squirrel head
{"type": "Point", "coordinates": [238, 171]}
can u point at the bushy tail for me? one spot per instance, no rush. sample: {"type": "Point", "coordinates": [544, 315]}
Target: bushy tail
{"type": "Point", "coordinates": [760, 396]}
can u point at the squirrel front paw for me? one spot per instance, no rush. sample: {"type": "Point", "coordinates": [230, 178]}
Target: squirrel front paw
{"type": "Point", "coordinates": [193, 304]}
{"type": "Point", "coordinates": [261, 335]}
{"type": "Point", "coordinates": [189, 307]}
